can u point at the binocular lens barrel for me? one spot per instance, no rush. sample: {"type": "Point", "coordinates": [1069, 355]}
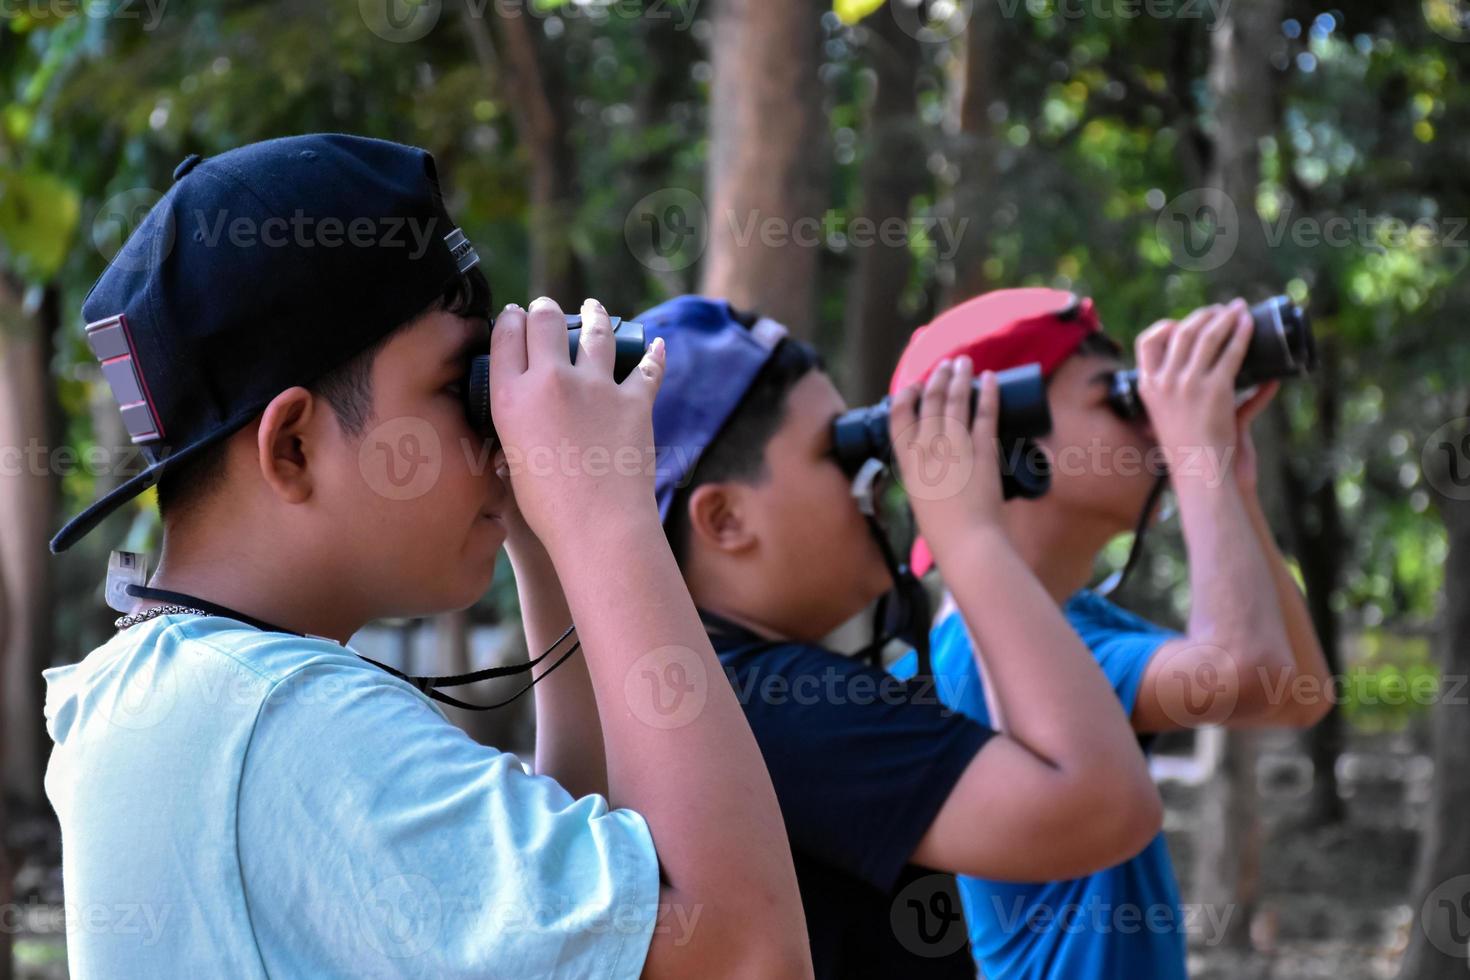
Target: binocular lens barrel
{"type": "Point", "coordinates": [862, 433]}
{"type": "Point", "coordinates": [1282, 346]}
{"type": "Point", "coordinates": [629, 347]}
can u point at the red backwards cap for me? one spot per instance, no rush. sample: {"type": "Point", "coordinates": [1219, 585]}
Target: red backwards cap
{"type": "Point", "coordinates": [998, 330]}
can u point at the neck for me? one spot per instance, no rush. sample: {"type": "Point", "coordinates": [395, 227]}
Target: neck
{"type": "Point", "coordinates": [267, 587]}
{"type": "Point", "coordinates": [726, 595]}
{"type": "Point", "coordinates": [763, 630]}
{"type": "Point", "coordinates": [1059, 552]}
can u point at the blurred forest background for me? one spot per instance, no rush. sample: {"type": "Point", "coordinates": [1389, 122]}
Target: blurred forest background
{"type": "Point", "coordinates": [852, 170]}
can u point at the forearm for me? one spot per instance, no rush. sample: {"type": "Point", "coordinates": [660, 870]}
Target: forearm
{"type": "Point", "coordinates": [992, 707]}
{"type": "Point", "coordinates": [1234, 603]}
{"type": "Point", "coordinates": [679, 750]}
{"type": "Point", "coordinates": [568, 730]}
{"type": "Point", "coordinates": [1310, 697]}
{"type": "Point", "coordinates": [1039, 675]}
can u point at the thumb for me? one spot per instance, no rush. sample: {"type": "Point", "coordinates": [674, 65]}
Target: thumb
{"type": "Point", "coordinates": [649, 375]}
{"type": "Point", "coordinates": [1257, 402]}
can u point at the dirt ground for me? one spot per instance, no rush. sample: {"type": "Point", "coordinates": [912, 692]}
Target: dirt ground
{"type": "Point", "coordinates": [1334, 902]}
{"type": "Point", "coordinates": [1335, 899]}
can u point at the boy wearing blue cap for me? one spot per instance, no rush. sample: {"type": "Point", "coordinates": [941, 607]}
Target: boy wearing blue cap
{"type": "Point", "coordinates": [886, 794]}
{"type": "Point", "coordinates": [239, 793]}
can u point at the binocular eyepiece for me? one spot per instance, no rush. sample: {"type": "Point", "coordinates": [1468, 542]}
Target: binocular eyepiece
{"type": "Point", "coordinates": [1281, 346]}
{"type": "Point", "coordinates": [862, 433]}
{"type": "Point", "coordinates": [629, 347]}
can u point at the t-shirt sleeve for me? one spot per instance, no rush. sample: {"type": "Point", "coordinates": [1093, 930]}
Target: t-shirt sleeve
{"type": "Point", "coordinates": [377, 839]}
{"type": "Point", "coordinates": [862, 761]}
{"type": "Point", "coordinates": [1121, 642]}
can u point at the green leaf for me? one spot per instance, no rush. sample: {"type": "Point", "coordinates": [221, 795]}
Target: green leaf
{"type": "Point", "coordinates": [38, 217]}
{"type": "Point", "coordinates": [852, 11]}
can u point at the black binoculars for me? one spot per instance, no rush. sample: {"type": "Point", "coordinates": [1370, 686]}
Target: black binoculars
{"type": "Point", "coordinates": [628, 351]}
{"type": "Point", "coordinates": [862, 433]}
{"type": "Point", "coordinates": [1281, 346]}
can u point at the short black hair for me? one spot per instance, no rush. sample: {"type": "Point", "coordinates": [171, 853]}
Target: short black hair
{"type": "Point", "coordinates": [738, 451]}
{"type": "Point", "coordinates": [348, 388]}
{"type": "Point", "coordinates": [1097, 344]}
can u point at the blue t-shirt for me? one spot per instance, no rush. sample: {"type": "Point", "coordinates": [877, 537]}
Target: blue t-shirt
{"type": "Point", "coordinates": [861, 762]}
{"type": "Point", "coordinates": [1124, 922]}
{"type": "Point", "coordinates": [247, 804]}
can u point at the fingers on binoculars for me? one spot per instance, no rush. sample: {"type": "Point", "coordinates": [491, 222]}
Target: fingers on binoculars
{"type": "Point", "coordinates": [901, 412]}
{"type": "Point", "coordinates": [1185, 336]}
{"type": "Point", "coordinates": [987, 406]}
{"type": "Point", "coordinates": [650, 371]}
{"type": "Point", "coordinates": [1149, 348]}
{"type": "Point", "coordinates": [1211, 339]}
{"type": "Point", "coordinates": [596, 343]}
{"type": "Point", "coordinates": [1237, 331]}
{"type": "Point", "coordinates": [508, 343]}
{"type": "Point", "coordinates": [936, 390]}
{"type": "Point", "coordinates": [960, 383]}
{"type": "Point", "coordinates": [546, 333]}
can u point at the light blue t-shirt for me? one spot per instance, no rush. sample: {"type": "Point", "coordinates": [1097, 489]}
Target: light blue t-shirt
{"type": "Point", "coordinates": [1124, 922]}
{"type": "Point", "coordinates": [248, 804]}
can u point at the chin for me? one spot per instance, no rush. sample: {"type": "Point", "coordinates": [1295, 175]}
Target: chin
{"type": "Point", "coordinates": [459, 598]}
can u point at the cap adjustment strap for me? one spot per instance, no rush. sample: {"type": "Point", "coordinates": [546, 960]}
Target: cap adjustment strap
{"type": "Point", "coordinates": [112, 343]}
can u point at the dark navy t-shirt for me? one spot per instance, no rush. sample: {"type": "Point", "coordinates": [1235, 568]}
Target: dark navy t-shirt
{"type": "Point", "coordinates": [862, 762]}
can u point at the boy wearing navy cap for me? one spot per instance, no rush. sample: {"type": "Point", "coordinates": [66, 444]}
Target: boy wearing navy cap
{"type": "Point", "coordinates": [886, 793]}
{"type": "Point", "coordinates": [1249, 639]}
{"type": "Point", "coordinates": [240, 794]}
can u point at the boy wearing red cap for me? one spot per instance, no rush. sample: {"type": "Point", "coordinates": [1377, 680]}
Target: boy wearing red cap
{"type": "Point", "coordinates": [1248, 637]}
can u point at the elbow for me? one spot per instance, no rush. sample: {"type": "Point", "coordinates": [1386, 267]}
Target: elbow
{"type": "Point", "coordinates": [1128, 824]}
{"type": "Point", "coordinates": [1121, 815]}
{"type": "Point", "coordinates": [1310, 702]}
{"type": "Point", "coordinates": [766, 938]}
{"type": "Point", "coordinates": [779, 961]}
{"type": "Point", "coordinates": [736, 947]}
{"type": "Point", "coordinates": [1277, 694]}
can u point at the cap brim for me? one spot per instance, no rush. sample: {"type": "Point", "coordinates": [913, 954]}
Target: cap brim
{"type": "Point", "coordinates": [82, 524]}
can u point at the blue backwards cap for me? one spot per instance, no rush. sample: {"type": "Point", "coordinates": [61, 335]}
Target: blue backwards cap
{"type": "Point", "coordinates": [714, 356]}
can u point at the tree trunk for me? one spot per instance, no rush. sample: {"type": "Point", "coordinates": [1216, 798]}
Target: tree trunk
{"type": "Point", "coordinates": [892, 173]}
{"type": "Point", "coordinates": [974, 155]}
{"type": "Point", "coordinates": [1227, 836]}
{"type": "Point", "coordinates": [768, 159]}
{"type": "Point", "coordinates": [7, 872]}
{"type": "Point", "coordinates": [513, 65]}
{"type": "Point", "coordinates": [1438, 941]}
{"type": "Point", "coordinates": [28, 506]}
{"type": "Point", "coordinates": [1242, 87]}
{"type": "Point", "coordinates": [1320, 544]}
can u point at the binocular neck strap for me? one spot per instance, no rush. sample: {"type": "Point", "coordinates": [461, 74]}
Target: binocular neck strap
{"type": "Point", "coordinates": [426, 685]}
{"type": "Point", "coordinates": [901, 614]}
{"type": "Point", "coordinates": [1114, 581]}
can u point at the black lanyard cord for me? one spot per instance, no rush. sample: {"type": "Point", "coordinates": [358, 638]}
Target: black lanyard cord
{"type": "Point", "coordinates": [904, 613]}
{"type": "Point", "coordinates": [426, 685]}
{"type": "Point", "coordinates": [455, 702]}
{"type": "Point", "coordinates": [1135, 551]}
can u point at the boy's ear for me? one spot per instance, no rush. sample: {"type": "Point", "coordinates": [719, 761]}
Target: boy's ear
{"type": "Point", "coordinates": [281, 443]}
{"type": "Point", "coordinates": [718, 517]}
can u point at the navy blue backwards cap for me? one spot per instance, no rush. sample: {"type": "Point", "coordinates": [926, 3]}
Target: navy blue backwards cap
{"type": "Point", "coordinates": [262, 268]}
{"type": "Point", "coordinates": [714, 356]}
